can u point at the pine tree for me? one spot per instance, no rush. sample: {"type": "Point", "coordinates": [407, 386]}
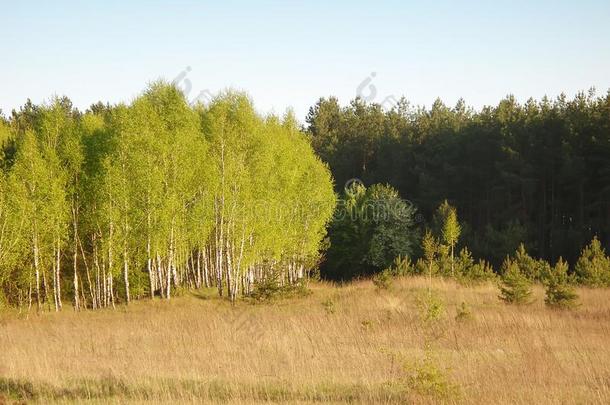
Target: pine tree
{"type": "Point", "coordinates": [528, 266]}
{"type": "Point", "coordinates": [515, 288]}
{"type": "Point", "coordinates": [559, 291]}
{"type": "Point", "coordinates": [593, 266]}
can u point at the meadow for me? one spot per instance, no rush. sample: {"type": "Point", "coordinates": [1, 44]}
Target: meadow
{"type": "Point", "coordinates": [337, 343]}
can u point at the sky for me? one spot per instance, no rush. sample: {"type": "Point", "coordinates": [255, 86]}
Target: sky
{"type": "Point", "coordinates": [288, 54]}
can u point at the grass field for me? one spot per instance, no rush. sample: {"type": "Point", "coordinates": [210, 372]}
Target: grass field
{"type": "Point", "coordinates": [338, 344]}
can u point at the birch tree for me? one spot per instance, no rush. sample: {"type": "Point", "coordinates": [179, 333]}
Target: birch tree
{"type": "Point", "coordinates": [154, 195]}
{"type": "Point", "coordinates": [38, 195]}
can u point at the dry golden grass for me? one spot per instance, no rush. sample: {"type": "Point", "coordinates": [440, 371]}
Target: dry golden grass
{"type": "Point", "coordinates": [339, 344]}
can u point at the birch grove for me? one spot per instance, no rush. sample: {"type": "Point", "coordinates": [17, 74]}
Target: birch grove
{"type": "Point", "coordinates": [136, 201]}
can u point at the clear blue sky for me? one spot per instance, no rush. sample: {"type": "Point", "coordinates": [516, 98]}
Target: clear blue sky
{"type": "Point", "coordinates": [287, 53]}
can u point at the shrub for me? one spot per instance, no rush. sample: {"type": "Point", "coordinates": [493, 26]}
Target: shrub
{"type": "Point", "coordinates": [270, 287]}
{"type": "Point", "coordinates": [329, 306]}
{"type": "Point", "coordinates": [426, 377]}
{"type": "Point", "coordinates": [593, 266]}
{"type": "Point", "coordinates": [431, 308]}
{"type": "Point", "coordinates": [366, 324]}
{"type": "Point", "coordinates": [464, 313]}
{"type": "Point", "coordinates": [422, 267]}
{"type": "Point", "coordinates": [469, 272]}
{"type": "Point", "coordinates": [402, 266]}
{"type": "Point", "coordinates": [559, 293]}
{"type": "Point", "coordinates": [482, 271]}
{"type": "Point", "coordinates": [383, 279]}
{"type": "Point", "coordinates": [515, 288]}
{"type": "Point", "coordinates": [463, 263]}
{"type": "Point", "coordinates": [267, 287]}
{"type": "Point", "coordinates": [443, 260]}
{"type": "Point", "coordinates": [528, 266]}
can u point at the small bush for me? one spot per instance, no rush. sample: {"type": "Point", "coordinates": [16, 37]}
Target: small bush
{"type": "Point", "coordinates": [464, 313]}
{"type": "Point", "coordinates": [426, 377]}
{"type": "Point", "coordinates": [422, 268]}
{"type": "Point", "coordinates": [267, 288]}
{"type": "Point", "coordinates": [431, 308]}
{"type": "Point", "coordinates": [270, 288]}
{"type": "Point", "coordinates": [559, 293]}
{"type": "Point", "coordinates": [366, 324]}
{"type": "Point", "coordinates": [329, 306]}
{"type": "Point", "coordinates": [482, 271]}
{"type": "Point", "coordinates": [463, 263]}
{"type": "Point", "coordinates": [402, 266]}
{"type": "Point", "coordinates": [297, 289]}
{"type": "Point", "coordinates": [470, 273]}
{"type": "Point", "coordinates": [383, 279]}
{"type": "Point", "coordinates": [515, 288]}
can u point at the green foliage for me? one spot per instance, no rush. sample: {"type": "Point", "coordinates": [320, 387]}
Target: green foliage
{"type": "Point", "coordinates": [267, 288]}
{"type": "Point", "coordinates": [12, 244]}
{"type": "Point", "coordinates": [531, 268]}
{"type": "Point", "coordinates": [464, 263]}
{"type": "Point", "coordinates": [383, 279]}
{"type": "Point", "coordinates": [444, 260]}
{"type": "Point", "coordinates": [533, 172]}
{"type": "Point", "coordinates": [402, 266]}
{"type": "Point", "coordinates": [593, 266]}
{"type": "Point", "coordinates": [427, 377]}
{"type": "Point", "coordinates": [438, 261]}
{"type": "Point", "coordinates": [515, 288]}
{"type": "Point", "coordinates": [431, 308]}
{"type": "Point", "coordinates": [423, 268]}
{"type": "Point", "coordinates": [157, 196]}
{"type": "Point", "coordinates": [430, 248]}
{"type": "Point", "coordinates": [7, 145]}
{"type": "Point", "coordinates": [559, 291]}
{"type": "Point", "coordinates": [372, 227]}
{"type": "Point", "coordinates": [481, 271]}
{"type": "Point", "coordinates": [271, 288]}
{"type": "Point", "coordinates": [470, 273]}
{"type": "Point", "coordinates": [495, 242]}
{"type": "Point", "coordinates": [449, 230]}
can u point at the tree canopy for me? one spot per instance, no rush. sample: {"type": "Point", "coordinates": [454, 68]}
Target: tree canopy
{"type": "Point", "coordinates": [537, 173]}
{"type": "Point", "coordinates": [127, 201]}
{"type": "Point", "coordinates": [371, 227]}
